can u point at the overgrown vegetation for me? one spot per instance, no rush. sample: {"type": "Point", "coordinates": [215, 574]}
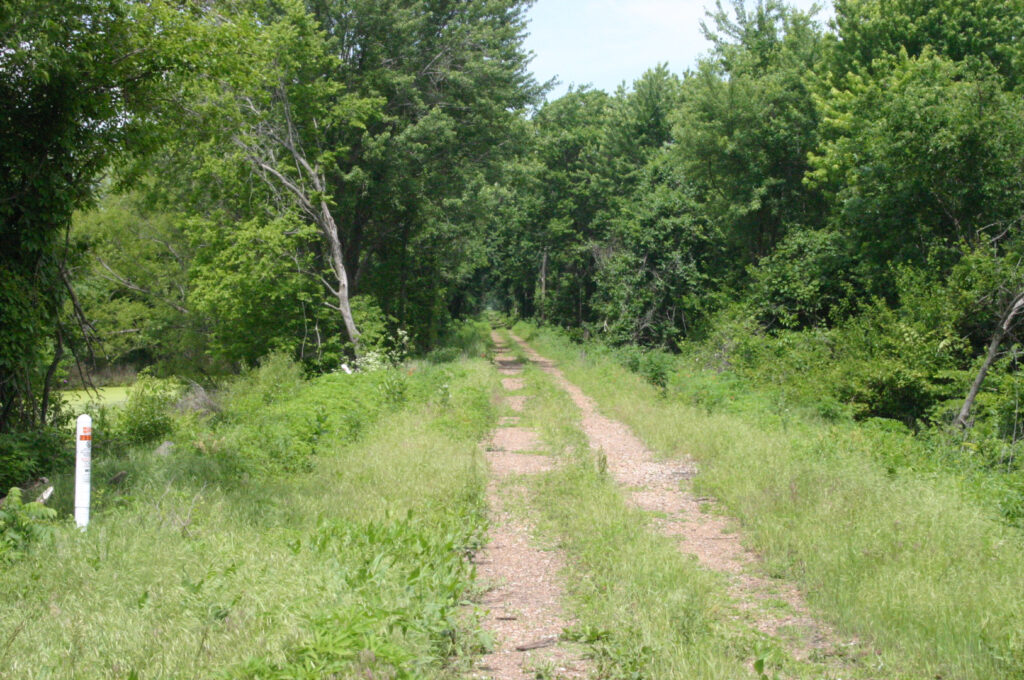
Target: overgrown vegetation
{"type": "Point", "coordinates": [288, 529]}
{"type": "Point", "coordinates": [851, 191]}
{"type": "Point", "coordinates": [643, 608]}
{"type": "Point", "coordinates": [847, 197]}
{"type": "Point", "coordinates": [810, 243]}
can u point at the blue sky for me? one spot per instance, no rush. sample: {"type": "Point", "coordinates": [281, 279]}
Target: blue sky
{"type": "Point", "coordinates": [606, 42]}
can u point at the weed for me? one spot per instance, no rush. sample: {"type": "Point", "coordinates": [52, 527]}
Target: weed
{"type": "Point", "coordinates": [22, 525]}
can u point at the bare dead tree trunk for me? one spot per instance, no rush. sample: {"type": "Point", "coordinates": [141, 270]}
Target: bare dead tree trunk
{"type": "Point", "coordinates": [1006, 323]}
{"type": "Point", "coordinates": [330, 232]}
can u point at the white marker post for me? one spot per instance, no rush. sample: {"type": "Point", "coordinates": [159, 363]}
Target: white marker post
{"type": "Point", "coordinates": [83, 470]}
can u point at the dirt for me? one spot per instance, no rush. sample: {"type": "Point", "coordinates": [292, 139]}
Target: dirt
{"type": "Point", "coordinates": [517, 404]}
{"type": "Point", "coordinates": [662, 488]}
{"type": "Point", "coordinates": [510, 438]}
{"type": "Point", "coordinates": [523, 604]}
{"type": "Point", "coordinates": [513, 384]}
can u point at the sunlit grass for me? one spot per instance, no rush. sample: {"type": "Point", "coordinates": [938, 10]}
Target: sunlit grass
{"type": "Point", "coordinates": [359, 563]}
{"type": "Point", "coordinates": [77, 400]}
{"type": "Point", "coordinates": [645, 609]}
{"type": "Point", "coordinates": [904, 561]}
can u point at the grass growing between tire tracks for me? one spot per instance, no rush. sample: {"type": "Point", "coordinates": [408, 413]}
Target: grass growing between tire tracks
{"type": "Point", "coordinates": [352, 563]}
{"type": "Point", "coordinates": [907, 562]}
{"type": "Point", "coordinates": [644, 609]}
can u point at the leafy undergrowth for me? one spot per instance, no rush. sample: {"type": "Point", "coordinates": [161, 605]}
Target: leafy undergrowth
{"type": "Point", "coordinates": [909, 561]}
{"type": "Point", "coordinates": [298, 530]}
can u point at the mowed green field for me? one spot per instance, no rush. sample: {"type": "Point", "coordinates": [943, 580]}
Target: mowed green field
{"type": "Point", "coordinates": [105, 396]}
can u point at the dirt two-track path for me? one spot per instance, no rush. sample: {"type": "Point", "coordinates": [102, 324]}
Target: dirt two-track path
{"type": "Point", "coordinates": [525, 611]}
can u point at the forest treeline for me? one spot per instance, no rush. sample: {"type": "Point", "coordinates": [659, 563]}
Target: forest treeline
{"type": "Point", "coordinates": [192, 186]}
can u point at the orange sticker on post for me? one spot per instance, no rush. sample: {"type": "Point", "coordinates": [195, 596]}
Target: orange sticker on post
{"type": "Point", "coordinates": [86, 435]}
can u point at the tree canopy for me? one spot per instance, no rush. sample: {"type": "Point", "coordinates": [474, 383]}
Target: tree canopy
{"type": "Point", "coordinates": [330, 178]}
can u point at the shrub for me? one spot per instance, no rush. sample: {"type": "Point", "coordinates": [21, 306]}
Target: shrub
{"type": "Point", "coordinates": [26, 455]}
{"type": "Point", "coordinates": [276, 377]}
{"type": "Point", "coordinates": [146, 415]}
{"type": "Point", "coordinates": [21, 525]}
{"type": "Point", "coordinates": [444, 355]}
{"type": "Point", "coordinates": [655, 366]}
{"type": "Point", "coordinates": [468, 338]}
{"type": "Point", "coordinates": [805, 282]}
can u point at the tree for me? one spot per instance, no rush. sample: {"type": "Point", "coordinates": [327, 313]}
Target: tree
{"type": "Point", "coordinates": [134, 282]}
{"type": "Point", "coordinates": [870, 32]}
{"type": "Point", "coordinates": [280, 107]}
{"type": "Point", "coordinates": [747, 123]}
{"type": "Point", "coordinates": [919, 160]}
{"type": "Point", "coordinates": [1008, 321]}
{"type": "Point", "coordinates": [662, 264]}
{"type": "Point", "coordinates": [374, 121]}
{"type": "Point", "coordinates": [77, 79]}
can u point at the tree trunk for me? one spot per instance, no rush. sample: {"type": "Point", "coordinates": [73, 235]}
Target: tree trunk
{"type": "Point", "coordinates": [1005, 324]}
{"type": "Point", "coordinates": [321, 215]}
{"type": "Point", "coordinates": [58, 354]}
{"type": "Point", "coordinates": [543, 278]}
{"type": "Point", "coordinates": [330, 232]}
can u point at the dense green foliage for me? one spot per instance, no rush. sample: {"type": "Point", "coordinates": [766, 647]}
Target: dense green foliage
{"type": "Point", "coordinates": [854, 192]}
{"type": "Point", "coordinates": [21, 525]}
{"type": "Point", "coordinates": [288, 162]}
{"type": "Point", "coordinates": [326, 172]}
{"type": "Point", "coordinates": [77, 80]}
{"type": "Point", "coordinates": [264, 208]}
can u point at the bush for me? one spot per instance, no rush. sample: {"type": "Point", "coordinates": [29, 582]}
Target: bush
{"type": "Point", "coordinates": [804, 282]}
{"type": "Point", "coordinates": [21, 525]}
{"type": "Point", "coordinates": [146, 415]}
{"type": "Point", "coordinates": [655, 366]}
{"type": "Point", "coordinates": [273, 420]}
{"type": "Point", "coordinates": [27, 455]}
{"type": "Point", "coordinates": [469, 338]}
{"type": "Point", "coordinates": [444, 355]}
{"type": "Point", "coordinates": [886, 389]}
{"type": "Point", "coordinates": [276, 377]}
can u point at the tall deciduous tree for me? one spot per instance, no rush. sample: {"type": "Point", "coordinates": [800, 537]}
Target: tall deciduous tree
{"type": "Point", "coordinates": [748, 123]}
{"type": "Point", "coordinates": [77, 80]}
{"type": "Point", "coordinates": [921, 159]}
{"type": "Point", "coordinates": [870, 31]}
{"type": "Point", "coordinates": [381, 123]}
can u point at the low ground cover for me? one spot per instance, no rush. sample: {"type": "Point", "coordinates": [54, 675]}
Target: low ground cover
{"type": "Point", "coordinates": [644, 609]}
{"type": "Point", "coordinates": [299, 529]}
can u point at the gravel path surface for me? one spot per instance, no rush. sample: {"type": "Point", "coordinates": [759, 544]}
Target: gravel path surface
{"type": "Point", "coordinates": [661, 487]}
{"type": "Point", "coordinates": [524, 611]}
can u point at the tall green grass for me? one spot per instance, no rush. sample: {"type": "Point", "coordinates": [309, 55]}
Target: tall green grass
{"type": "Point", "coordinates": [907, 560]}
{"type": "Point", "coordinates": [307, 530]}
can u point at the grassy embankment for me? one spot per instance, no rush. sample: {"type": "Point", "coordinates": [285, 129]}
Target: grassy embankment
{"type": "Point", "coordinates": [307, 528]}
{"type": "Point", "coordinates": [912, 564]}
